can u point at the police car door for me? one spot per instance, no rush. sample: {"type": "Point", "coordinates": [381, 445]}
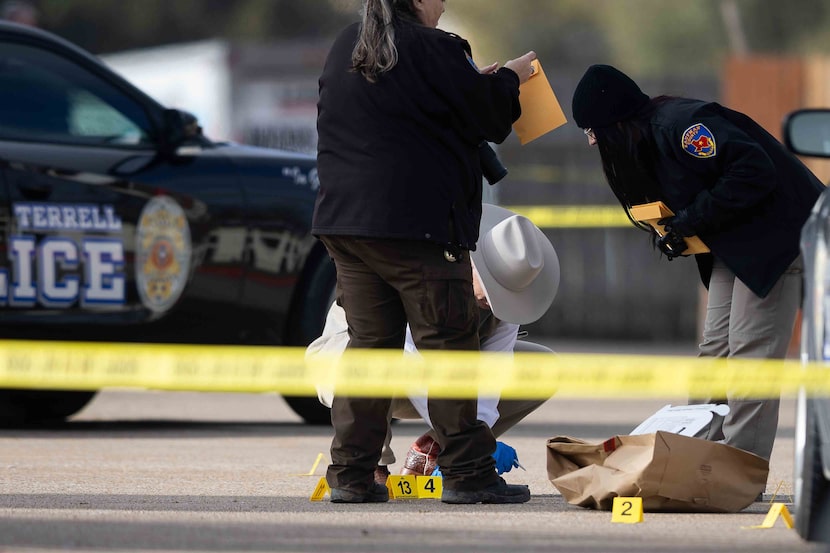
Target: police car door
{"type": "Point", "coordinates": [65, 135]}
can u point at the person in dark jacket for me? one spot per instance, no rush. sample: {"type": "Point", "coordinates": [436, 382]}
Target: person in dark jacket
{"type": "Point", "coordinates": [401, 115]}
{"type": "Point", "coordinates": [733, 185]}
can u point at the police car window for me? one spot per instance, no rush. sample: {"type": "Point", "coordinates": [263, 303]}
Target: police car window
{"type": "Point", "coordinates": [45, 97]}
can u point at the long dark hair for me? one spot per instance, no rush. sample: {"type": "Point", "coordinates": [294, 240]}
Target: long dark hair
{"type": "Point", "coordinates": [628, 157]}
{"type": "Point", "coordinates": [375, 51]}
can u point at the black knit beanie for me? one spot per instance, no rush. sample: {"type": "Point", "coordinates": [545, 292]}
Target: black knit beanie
{"type": "Point", "coordinates": [604, 96]}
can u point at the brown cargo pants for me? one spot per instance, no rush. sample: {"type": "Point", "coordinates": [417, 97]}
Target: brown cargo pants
{"type": "Point", "coordinates": [382, 284]}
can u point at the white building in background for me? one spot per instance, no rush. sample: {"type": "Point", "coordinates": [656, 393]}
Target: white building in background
{"type": "Point", "coordinates": [262, 94]}
{"type": "Point", "coordinates": [194, 77]}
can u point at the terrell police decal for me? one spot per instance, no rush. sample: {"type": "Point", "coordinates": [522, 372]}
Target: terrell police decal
{"type": "Point", "coordinates": [698, 141]}
{"type": "Point", "coordinates": [162, 253]}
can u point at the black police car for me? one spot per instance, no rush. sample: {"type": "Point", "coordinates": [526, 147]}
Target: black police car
{"type": "Point", "coordinates": [120, 221]}
{"type": "Point", "coordinates": [807, 132]}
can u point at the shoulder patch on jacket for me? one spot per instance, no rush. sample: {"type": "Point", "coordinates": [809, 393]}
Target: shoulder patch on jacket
{"type": "Point", "coordinates": [698, 141]}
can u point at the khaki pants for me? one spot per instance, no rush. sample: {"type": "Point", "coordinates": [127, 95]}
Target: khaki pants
{"type": "Point", "coordinates": [382, 284]}
{"type": "Point", "coordinates": [742, 325]}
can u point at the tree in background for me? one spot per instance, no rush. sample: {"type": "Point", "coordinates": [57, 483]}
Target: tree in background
{"type": "Point", "coordinates": [104, 26]}
{"type": "Point", "coordinates": [647, 37]}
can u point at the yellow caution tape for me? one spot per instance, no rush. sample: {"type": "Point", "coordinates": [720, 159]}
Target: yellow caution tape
{"type": "Point", "coordinates": [93, 366]}
{"type": "Point", "coordinates": [573, 216]}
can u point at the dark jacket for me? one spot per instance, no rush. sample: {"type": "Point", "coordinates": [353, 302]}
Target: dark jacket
{"type": "Point", "coordinates": [747, 196]}
{"type": "Point", "coordinates": [398, 158]}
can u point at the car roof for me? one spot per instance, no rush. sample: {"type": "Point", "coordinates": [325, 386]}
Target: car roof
{"type": "Point", "coordinates": [9, 28]}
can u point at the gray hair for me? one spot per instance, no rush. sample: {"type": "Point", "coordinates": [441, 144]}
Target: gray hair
{"type": "Point", "coordinates": [375, 51]}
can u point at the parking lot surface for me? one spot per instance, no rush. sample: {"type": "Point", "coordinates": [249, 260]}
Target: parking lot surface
{"type": "Point", "coordinates": [163, 471]}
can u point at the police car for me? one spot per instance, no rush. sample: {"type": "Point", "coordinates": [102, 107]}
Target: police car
{"type": "Point", "coordinates": [807, 132]}
{"type": "Point", "coordinates": [121, 221]}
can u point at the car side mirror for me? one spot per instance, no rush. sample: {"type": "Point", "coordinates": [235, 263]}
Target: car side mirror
{"type": "Point", "coordinates": [180, 127]}
{"type": "Point", "coordinates": [807, 132]}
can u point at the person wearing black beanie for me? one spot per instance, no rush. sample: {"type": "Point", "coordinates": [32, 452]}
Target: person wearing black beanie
{"type": "Point", "coordinates": [733, 185]}
{"type": "Point", "coordinates": [604, 96]}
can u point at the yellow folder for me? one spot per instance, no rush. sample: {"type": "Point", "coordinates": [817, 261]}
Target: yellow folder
{"type": "Point", "coordinates": [653, 212]}
{"type": "Point", "coordinates": [541, 112]}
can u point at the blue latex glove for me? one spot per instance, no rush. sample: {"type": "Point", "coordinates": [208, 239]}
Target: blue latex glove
{"type": "Point", "coordinates": [506, 458]}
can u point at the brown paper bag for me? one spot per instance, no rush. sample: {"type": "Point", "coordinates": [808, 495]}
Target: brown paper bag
{"type": "Point", "coordinates": [669, 471]}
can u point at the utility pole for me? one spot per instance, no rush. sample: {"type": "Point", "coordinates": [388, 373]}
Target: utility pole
{"type": "Point", "coordinates": [731, 14]}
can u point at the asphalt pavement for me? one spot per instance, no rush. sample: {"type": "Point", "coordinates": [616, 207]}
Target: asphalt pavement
{"type": "Point", "coordinates": [191, 472]}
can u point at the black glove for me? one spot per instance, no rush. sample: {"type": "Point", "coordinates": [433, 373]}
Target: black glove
{"type": "Point", "coordinates": [680, 223]}
{"type": "Point", "coordinates": [671, 244]}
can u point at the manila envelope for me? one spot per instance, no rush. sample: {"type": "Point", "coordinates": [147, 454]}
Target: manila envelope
{"type": "Point", "coordinates": [653, 212]}
{"type": "Point", "coordinates": [541, 112]}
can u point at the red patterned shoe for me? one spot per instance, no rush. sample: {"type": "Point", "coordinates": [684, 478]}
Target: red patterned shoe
{"type": "Point", "coordinates": [421, 457]}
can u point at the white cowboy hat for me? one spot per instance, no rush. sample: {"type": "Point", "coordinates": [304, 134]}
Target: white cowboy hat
{"type": "Point", "coordinates": [517, 265]}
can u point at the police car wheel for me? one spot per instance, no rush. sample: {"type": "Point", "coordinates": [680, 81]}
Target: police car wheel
{"type": "Point", "coordinates": [812, 509]}
{"type": "Point", "coordinates": [33, 407]}
{"type": "Point", "coordinates": [306, 323]}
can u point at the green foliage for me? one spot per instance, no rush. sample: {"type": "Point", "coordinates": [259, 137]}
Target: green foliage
{"type": "Point", "coordinates": [646, 36]}
{"type": "Point", "coordinates": [564, 30]}
{"type": "Point", "coordinates": [788, 27]}
{"type": "Point", "coordinates": [655, 36]}
{"type": "Point", "coordinates": [110, 25]}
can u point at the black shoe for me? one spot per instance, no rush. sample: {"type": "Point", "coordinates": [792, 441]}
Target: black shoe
{"type": "Point", "coordinates": [500, 492]}
{"type": "Point", "coordinates": [375, 494]}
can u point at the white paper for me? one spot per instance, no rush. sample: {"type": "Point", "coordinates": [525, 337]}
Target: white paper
{"type": "Point", "coordinates": [686, 420]}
